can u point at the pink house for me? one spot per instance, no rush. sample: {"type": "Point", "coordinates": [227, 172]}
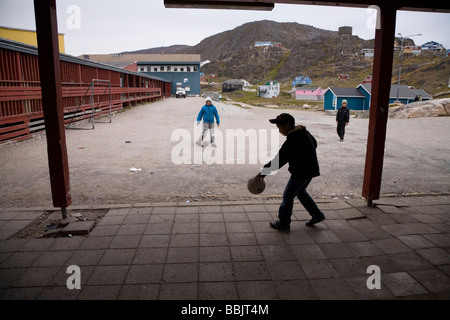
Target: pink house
{"type": "Point", "coordinates": [309, 93]}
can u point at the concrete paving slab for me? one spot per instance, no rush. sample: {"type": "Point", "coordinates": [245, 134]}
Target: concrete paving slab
{"type": "Point", "coordinates": [359, 286]}
{"type": "Point", "coordinates": [389, 209]}
{"type": "Point", "coordinates": [436, 256]}
{"type": "Point", "coordinates": [415, 241]}
{"type": "Point", "coordinates": [217, 291]}
{"type": "Point", "coordinates": [410, 261]}
{"type": "Point", "coordinates": [403, 284]}
{"type": "Point", "coordinates": [433, 280]}
{"type": "Point", "coordinates": [78, 227]}
{"type": "Point", "coordinates": [139, 292]}
{"type": "Point", "coordinates": [440, 240]}
{"type": "Point", "coordinates": [66, 221]}
{"type": "Point", "coordinates": [333, 289]}
{"type": "Point", "coordinates": [285, 270]}
{"type": "Point", "coordinates": [351, 213]}
{"type": "Point", "coordinates": [178, 291]}
{"type": "Point", "coordinates": [181, 272]}
{"type": "Point", "coordinates": [295, 290]}
{"type": "Point", "coordinates": [216, 254]}
{"type": "Point", "coordinates": [259, 290]}
{"type": "Point", "coordinates": [393, 202]}
{"type": "Point", "coordinates": [100, 292]}
{"type": "Point", "coordinates": [391, 245]}
{"type": "Point", "coordinates": [108, 275]}
{"type": "Point", "coordinates": [349, 267]}
{"type": "Point", "coordinates": [350, 235]}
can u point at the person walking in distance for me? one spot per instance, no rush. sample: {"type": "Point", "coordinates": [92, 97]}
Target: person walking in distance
{"type": "Point", "coordinates": [299, 150]}
{"type": "Point", "coordinates": [342, 119]}
{"type": "Point", "coordinates": [208, 113]}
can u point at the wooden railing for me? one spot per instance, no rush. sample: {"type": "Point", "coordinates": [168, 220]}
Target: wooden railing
{"type": "Point", "coordinates": [21, 110]}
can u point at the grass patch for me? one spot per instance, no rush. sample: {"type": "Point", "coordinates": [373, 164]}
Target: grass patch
{"type": "Point", "coordinates": [274, 72]}
{"type": "Point", "coordinates": [283, 101]}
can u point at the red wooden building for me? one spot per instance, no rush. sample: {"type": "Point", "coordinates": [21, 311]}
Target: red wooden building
{"type": "Point", "coordinates": [21, 113]}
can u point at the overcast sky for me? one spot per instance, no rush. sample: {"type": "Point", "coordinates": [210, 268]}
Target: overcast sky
{"type": "Point", "coordinates": [109, 26]}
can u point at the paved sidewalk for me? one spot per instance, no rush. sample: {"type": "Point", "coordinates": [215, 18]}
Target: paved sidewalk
{"type": "Point", "coordinates": [226, 250]}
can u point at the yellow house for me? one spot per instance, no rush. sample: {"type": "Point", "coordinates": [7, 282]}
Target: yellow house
{"type": "Point", "coordinates": [27, 37]}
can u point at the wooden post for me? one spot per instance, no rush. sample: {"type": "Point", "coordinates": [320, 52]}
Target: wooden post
{"type": "Point", "coordinates": [379, 104]}
{"type": "Point", "coordinates": [50, 76]}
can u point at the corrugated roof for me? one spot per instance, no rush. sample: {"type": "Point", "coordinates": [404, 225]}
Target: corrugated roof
{"type": "Point", "coordinates": [423, 93]}
{"type": "Point", "coordinates": [21, 47]}
{"type": "Point", "coordinates": [348, 92]}
{"type": "Point", "coordinates": [126, 59]}
{"type": "Point", "coordinates": [235, 81]}
{"type": "Point", "coordinates": [307, 88]}
{"type": "Point", "coordinates": [404, 91]}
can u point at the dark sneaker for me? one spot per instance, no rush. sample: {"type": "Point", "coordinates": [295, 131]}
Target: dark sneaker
{"type": "Point", "coordinates": [278, 226]}
{"type": "Point", "coordinates": [315, 220]}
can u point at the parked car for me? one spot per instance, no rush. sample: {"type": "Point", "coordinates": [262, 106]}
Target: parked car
{"type": "Point", "coordinates": [180, 93]}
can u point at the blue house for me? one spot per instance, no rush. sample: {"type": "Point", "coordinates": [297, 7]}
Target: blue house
{"type": "Point", "coordinates": [183, 70]}
{"type": "Point", "coordinates": [301, 81]}
{"type": "Point", "coordinates": [333, 96]}
{"type": "Point", "coordinates": [359, 98]}
{"type": "Point", "coordinates": [406, 94]}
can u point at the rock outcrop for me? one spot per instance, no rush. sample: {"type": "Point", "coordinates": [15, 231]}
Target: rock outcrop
{"type": "Point", "coordinates": [429, 108]}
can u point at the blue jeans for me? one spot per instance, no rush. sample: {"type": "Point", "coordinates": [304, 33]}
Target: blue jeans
{"type": "Point", "coordinates": [296, 187]}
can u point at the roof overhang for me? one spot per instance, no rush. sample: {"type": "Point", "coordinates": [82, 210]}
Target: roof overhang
{"type": "Point", "coordinates": [29, 49]}
{"type": "Point", "coordinates": [409, 5]}
{"type": "Point", "coordinates": [157, 63]}
{"type": "Point", "coordinates": [232, 5]}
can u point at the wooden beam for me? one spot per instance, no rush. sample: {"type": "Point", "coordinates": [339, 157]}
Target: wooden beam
{"type": "Point", "coordinates": [50, 76]}
{"type": "Point", "coordinates": [232, 5]}
{"type": "Point", "coordinates": [379, 104]}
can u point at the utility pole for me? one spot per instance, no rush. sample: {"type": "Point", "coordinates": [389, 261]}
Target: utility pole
{"type": "Point", "coordinates": [400, 63]}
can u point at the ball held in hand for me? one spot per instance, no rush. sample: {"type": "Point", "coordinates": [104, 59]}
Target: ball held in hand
{"type": "Point", "coordinates": [256, 187]}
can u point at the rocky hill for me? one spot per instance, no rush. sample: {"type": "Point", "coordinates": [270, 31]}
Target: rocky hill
{"type": "Point", "coordinates": [306, 50]}
{"type": "Point", "coordinates": [160, 50]}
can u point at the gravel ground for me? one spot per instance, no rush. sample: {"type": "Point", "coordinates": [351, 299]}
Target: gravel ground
{"type": "Point", "coordinates": [156, 137]}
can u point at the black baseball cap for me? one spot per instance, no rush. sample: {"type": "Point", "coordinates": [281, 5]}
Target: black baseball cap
{"type": "Point", "coordinates": [283, 119]}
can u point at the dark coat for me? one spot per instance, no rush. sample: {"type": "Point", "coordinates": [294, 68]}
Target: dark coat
{"type": "Point", "coordinates": [299, 150]}
{"type": "Point", "coordinates": [343, 114]}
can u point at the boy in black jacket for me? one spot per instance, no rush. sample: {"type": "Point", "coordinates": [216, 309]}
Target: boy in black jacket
{"type": "Point", "coordinates": [299, 150]}
{"type": "Point", "coordinates": [342, 119]}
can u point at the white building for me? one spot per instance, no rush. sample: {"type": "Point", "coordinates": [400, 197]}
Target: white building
{"type": "Point", "coordinates": [368, 53]}
{"type": "Point", "coordinates": [433, 46]}
{"type": "Point", "coordinates": [269, 90]}
{"type": "Point", "coordinates": [412, 50]}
